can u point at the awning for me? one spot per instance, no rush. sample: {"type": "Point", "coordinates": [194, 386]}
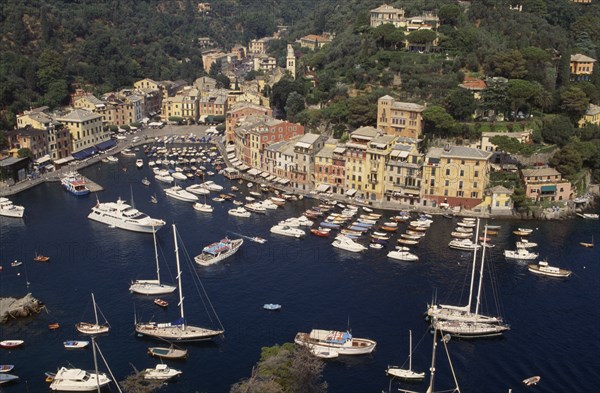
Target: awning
{"type": "Point", "coordinates": [253, 172]}
{"type": "Point", "coordinates": [412, 192]}
{"type": "Point", "coordinates": [85, 153]}
{"type": "Point", "coordinates": [243, 167]}
{"type": "Point", "coordinates": [339, 150]}
{"type": "Point", "coordinates": [230, 148]}
{"type": "Point", "coordinates": [284, 181]}
{"type": "Point", "coordinates": [548, 188]}
{"type": "Point", "coordinates": [265, 174]}
{"type": "Point", "coordinates": [303, 145]}
{"type": "Point", "coordinates": [231, 156]}
{"type": "Point", "coordinates": [49, 167]}
{"type": "Point", "coordinates": [43, 160]}
{"type": "Point", "coordinates": [323, 188]}
{"type": "Point", "coordinates": [106, 144]}
{"type": "Point", "coordinates": [271, 177]}
{"type": "Point", "coordinates": [62, 161]}
{"type": "Point", "coordinates": [351, 192]}
{"type": "Point", "coordinates": [235, 161]}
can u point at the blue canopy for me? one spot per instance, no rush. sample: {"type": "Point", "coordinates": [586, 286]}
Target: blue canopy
{"type": "Point", "coordinates": [106, 144]}
{"type": "Point", "coordinates": [85, 153]}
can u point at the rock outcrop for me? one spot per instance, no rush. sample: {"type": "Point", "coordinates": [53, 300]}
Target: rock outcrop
{"type": "Point", "coordinates": [11, 308]}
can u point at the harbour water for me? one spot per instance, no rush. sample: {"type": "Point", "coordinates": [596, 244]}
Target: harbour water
{"type": "Point", "coordinates": [555, 323]}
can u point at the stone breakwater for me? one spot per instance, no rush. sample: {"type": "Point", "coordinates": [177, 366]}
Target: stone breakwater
{"type": "Point", "coordinates": [12, 308]}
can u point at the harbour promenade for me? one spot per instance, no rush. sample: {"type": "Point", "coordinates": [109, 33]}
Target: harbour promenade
{"type": "Point", "coordinates": [145, 135]}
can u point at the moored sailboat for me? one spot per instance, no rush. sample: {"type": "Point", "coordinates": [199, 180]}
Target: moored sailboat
{"type": "Point", "coordinates": [402, 373]}
{"type": "Point", "coordinates": [93, 328]}
{"type": "Point", "coordinates": [152, 287]}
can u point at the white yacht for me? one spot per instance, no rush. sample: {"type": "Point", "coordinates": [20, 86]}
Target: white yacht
{"type": "Point", "coordinates": [153, 286]}
{"type": "Point", "coordinates": [178, 176]}
{"type": "Point", "coordinates": [463, 244]}
{"type": "Point", "coordinates": [256, 208]}
{"type": "Point", "coordinates": [161, 372]}
{"type": "Point", "coordinates": [179, 193]}
{"type": "Point", "coordinates": [218, 251]}
{"type": "Point", "coordinates": [139, 163]}
{"type": "Point", "coordinates": [203, 207]}
{"type": "Point", "coordinates": [287, 230]}
{"type": "Point", "coordinates": [403, 256]}
{"type": "Point", "coordinates": [267, 203]}
{"type": "Point", "coordinates": [345, 243]}
{"type": "Point", "coordinates": [544, 269]}
{"type": "Point", "coordinates": [467, 329]}
{"type": "Point", "coordinates": [164, 176]}
{"type": "Point", "coordinates": [212, 186]}
{"type": "Point", "coordinates": [197, 189]}
{"type": "Point", "coordinates": [341, 342]}
{"type": "Point", "coordinates": [524, 243]}
{"type": "Point", "coordinates": [121, 215]}
{"type": "Point", "coordinates": [239, 212]}
{"type": "Point", "coordinates": [520, 253]}
{"type": "Point", "coordinates": [9, 210]}
{"type": "Point", "coordinates": [78, 380]}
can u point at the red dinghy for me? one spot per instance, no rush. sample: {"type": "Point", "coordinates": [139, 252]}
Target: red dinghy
{"type": "Point", "coordinates": [319, 232]}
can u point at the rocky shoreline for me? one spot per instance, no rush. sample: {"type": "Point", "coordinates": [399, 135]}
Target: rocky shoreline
{"type": "Point", "coordinates": [13, 308]}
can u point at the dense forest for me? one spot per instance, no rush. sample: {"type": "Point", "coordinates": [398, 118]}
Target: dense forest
{"type": "Point", "coordinates": [49, 47]}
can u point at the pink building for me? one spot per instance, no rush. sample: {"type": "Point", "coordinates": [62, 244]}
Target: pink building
{"type": "Point", "coordinates": [545, 183]}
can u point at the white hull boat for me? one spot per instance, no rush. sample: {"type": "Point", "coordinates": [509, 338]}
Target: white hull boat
{"type": "Point", "coordinates": [203, 207]}
{"type": "Point", "coordinates": [165, 178]}
{"type": "Point", "coordinates": [470, 329]}
{"type": "Point", "coordinates": [78, 380]}
{"type": "Point", "coordinates": [121, 215]}
{"type": "Point", "coordinates": [345, 243]}
{"type": "Point", "coordinates": [7, 209]}
{"type": "Point", "coordinates": [287, 230]}
{"type": "Point", "coordinates": [463, 244]}
{"type": "Point", "coordinates": [178, 176]}
{"type": "Point", "coordinates": [403, 256]}
{"type": "Point", "coordinates": [520, 253]}
{"type": "Point", "coordinates": [197, 189]}
{"type": "Point", "coordinates": [218, 251]}
{"type": "Point", "coordinates": [212, 186]}
{"type": "Point", "coordinates": [73, 344]}
{"type": "Point", "coordinates": [239, 212]}
{"type": "Point", "coordinates": [331, 340]}
{"type": "Point", "coordinates": [544, 269]}
{"type": "Point", "coordinates": [161, 372]}
{"type": "Point", "coordinates": [179, 193]}
{"type": "Point", "coordinates": [154, 286]}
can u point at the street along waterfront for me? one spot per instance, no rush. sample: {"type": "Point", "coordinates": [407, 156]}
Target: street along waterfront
{"type": "Point", "coordinates": [553, 322]}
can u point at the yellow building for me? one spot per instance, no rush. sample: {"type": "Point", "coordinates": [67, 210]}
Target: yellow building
{"type": "Point", "coordinates": [498, 200]}
{"type": "Point", "coordinates": [403, 119]}
{"type": "Point", "coordinates": [356, 169]}
{"type": "Point", "coordinates": [324, 172]}
{"type": "Point", "coordinates": [582, 67]}
{"type": "Point", "coordinates": [592, 116]}
{"type": "Point", "coordinates": [35, 118]}
{"type": "Point", "coordinates": [259, 46]}
{"type": "Point", "coordinates": [85, 128]}
{"type": "Point", "coordinates": [455, 176]}
{"type": "Point", "coordinates": [403, 174]}
{"type": "Point", "coordinates": [378, 153]}
{"type": "Point", "coordinates": [184, 105]}
{"type": "Point", "coordinates": [385, 14]}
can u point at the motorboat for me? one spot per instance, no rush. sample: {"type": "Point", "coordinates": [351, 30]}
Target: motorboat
{"type": "Point", "coordinates": [272, 307]}
{"type": "Point", "coordinates": [218, 251]}
{"type": "Point", "coordinates": [463, 244]}
{"type": "Point", "coordinates": [121, 215]}
{"type": "Point", "coordinates": [376, 246]}
{"type": "Point", "coordinates": [75, 184]}
{"type": "Point", "coordinates": [257, 239]}
{"type": "Point", "coordinates": [461, 235]}
{"type": "Point", "coordinates": [178, 176]}
{"type": "Point", "coordinates": [256, 208]}
{"type": "Point", "coordinates": [145, 181]}
{"type": "Point", "coordinates": [6, 378]}
{"type": "Point", "coordinates": [161, 372]}
{"type": "Point", "coordinates": [139, 163]}
{"type": "Point", "coordinates": [321, 232]}
{"type": "Point", "coordinates": [6, 368]}
{"type": "Point", "coordinates": [524, 243]}
{"type": "Point", "coordinates": [179, 193]}
{"type": "Point", "coordinates": [408, 242]}
{"type": "Point", "coordinates": [345, 243]}
{"type": "Point", "coordinates": [589, 216]}
{"type": "Point", "coordinates": [128, 153]}
{"type": "Point", "coordinates": [203, 207]}
{"type": "Point", "coordinates": [112, 159]}
{"type": "Point", "coordinates": [403, 256]}
{"type": "Point", "coordinates": [10, 344]}
{"type": "Point", "coordinates": [522, 233]}
{"type": "Point", "coordinates": [16, 263]}
{"type": "Point", "coordinates": [8, 209]}
{"type": "Point", "coordinates": [167, 353]}
{"type": "Point", "coordinates": [75, 344]}
{"type": "Point", "coordinates": [95, 327]}
{"type": "Point", "coordinates": [78, 380]}
{"type": "Point", "coordinates": [239, 212]}
{"type": "Point", "coordinates": [341, 342]}
{"type": "Point", "coordinates": [520, 253]}
{"type": "Point", "coordinates": [212, 186]}
{"type": "Point", "coordinates": [287, 230]}
{"type": "Point", "coordinates": [544, 269]}
{"type": "Point", "coordinates": [198, 189]}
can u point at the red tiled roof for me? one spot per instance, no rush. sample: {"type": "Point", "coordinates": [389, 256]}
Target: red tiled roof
{"type": "Point", "coordinates": [473, 83]}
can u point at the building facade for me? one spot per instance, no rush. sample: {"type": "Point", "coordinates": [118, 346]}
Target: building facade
{"type": "Point", "coordinates": [582, 67]}
{"type": "Point", "coordinates": [239, 111]}
{"type": "Point", "coordinates": [85, 128]}
{"type": "Point", "coordinates": [34, 139]}
{"type": "Point", "coordinates": [545, 184]}
{"type": "Point", "coordinates": [401, 119]}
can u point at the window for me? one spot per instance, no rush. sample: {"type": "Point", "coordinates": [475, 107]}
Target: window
{"type": "Point", "coordinates": [447, 172]}
{"type": "Point", "coordinates": [445, 192]}
{"type": "Point", "coordinates": [460, 194]}
{"type": "Point", "coordinates": [462, 173]}
{"type": "Point", "coordinates": [474, 184]}
{"type": "Point", "coordinates": [474, 194]}
{"type": "Point", "coordinates": [476, 174]}
{"type": "Point", "coordinates": [447, 183]}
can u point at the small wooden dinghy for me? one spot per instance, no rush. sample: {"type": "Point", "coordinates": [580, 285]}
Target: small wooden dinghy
{"type": "Point", "coordinates": [532, 380]}
{"type": "Point", "coordinates": [167, 353]}
{"type": "Point", "coordinates": [53, 326]}
{"type": "Point", "coordinates": [160, 302]}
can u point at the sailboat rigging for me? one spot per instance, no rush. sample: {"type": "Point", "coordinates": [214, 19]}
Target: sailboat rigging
{"type": "Point", "coordinates": [177, 330]}
{"type": "Point", "coordinates": [93, 328]}
{"type": "Point", "coordinates": [588, 245]}
{"type": "Point", "coordinates": [399, 372]}
{"type": "Point", "coordinates": [469, 325]}
{"type": "Point", "coordinates": [152, 287]}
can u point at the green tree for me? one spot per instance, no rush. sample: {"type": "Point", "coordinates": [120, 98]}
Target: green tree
{"type": "Point", "coordinates": [574, 102]}
{"type": "Point", "coordinates": [223, 81]}
{"type": "Point", "coordinates": [294, 105]}
{"type": "Point", "coordinates": [437, 121]}
{"type": "Point", "coordinates": [508, 64]}
{"type": "Point", "coordinates": [421, 37]}
{"type": "Point", "coordinates": [461, 104]}
{"type": "Point", "coordinates": [567, 161]}
{"type": "Point", "coordinates": [24, 152]}
{"type": "Point", "coordinates": [520, 92]}
{"type": "Point", "coordinates": [557, 129]}
{"type": "Point", "coordinates": [449, 14]}
{"type": "Point", "coordinates": [281, 90]}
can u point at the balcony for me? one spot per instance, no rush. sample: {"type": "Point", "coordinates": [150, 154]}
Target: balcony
{"type": "Point", "coordinates": [373, 181]}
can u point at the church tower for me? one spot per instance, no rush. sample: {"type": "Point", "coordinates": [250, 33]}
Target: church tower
{"type": "Point", "coordinates": [291, 61]}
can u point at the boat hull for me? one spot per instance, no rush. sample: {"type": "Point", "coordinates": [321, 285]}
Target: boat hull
{"type": "Point", "coordinates": [176, 333]}
{"type": "Point", "coordinates": [127, 225]}
{"type": "Point", "coordinates": [359, 346]}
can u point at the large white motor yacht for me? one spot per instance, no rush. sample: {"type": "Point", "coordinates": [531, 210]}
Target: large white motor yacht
{"type": "Point", "coordinates": [78, 380]}
{"type": "Point", "coordinates": [177, 192]}
{"type": "Point", "coordinates": [8, 209]}
{"type": "Point", "coordinates": [287, 230]}
{"type": "Point", "coordinates": [345, 243]}
{"type": "Point", "coordinates": [121, 215]}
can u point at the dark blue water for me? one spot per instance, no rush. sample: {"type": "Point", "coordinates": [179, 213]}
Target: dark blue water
{"type": "Point", "coordinates": [555, 323]}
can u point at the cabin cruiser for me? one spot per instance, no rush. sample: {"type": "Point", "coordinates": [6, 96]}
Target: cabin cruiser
{"type": "Point", "coordinates": [463, 244]}
{"type": "Point", "coordinates": [218, 251]}
{"type": "Point", "coordinates": [286, 230]}
{"type": "Point", "coordinates": [161, 372]}
{"type": "Point", "coordinates": [197, 189]}
{"type": "Point", "coordinates": [177, 192]}
{"type": "Point", "coordinates": [239, 212]}
{"type": "Point", "coordinates": [78, 380]}
{"type": "Point", "coordinates": [345, 243]}
{"type": "Point", "coordinates": [403, 256]}
{"type": "Point", "coordinates": [520, 253]}
{"type": "Point", "coordinates": [75, 184]}
{"type": "Point", "coordinates": [212, 186]}
{"type": "Point", "coordinates": [121, 215]}
{"type": "Point", "coordinates": [341, 342]}
{"type": "Point", "coordinates": [9, 210]}
{"type": "Point", "coordinates": [546, 270]}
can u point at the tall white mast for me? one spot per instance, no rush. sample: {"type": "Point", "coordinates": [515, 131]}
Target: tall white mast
{"type": "Point", "coordinates": [410, 354]}
{"type": "Point", "coordinates": [95, 361]}
{"type": "Point", "coordinates": [95, 311]}
{"type": "Point", "coordinates": [156, 255]}
{"type": "Point", "coordinates": [481, 271]}
{"type": "Point", "coordinates": [473, 269]}
{"type": "Point", "coordinates": [178, 276]}
{"type": "Point", "coordinates": [432, 368]}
